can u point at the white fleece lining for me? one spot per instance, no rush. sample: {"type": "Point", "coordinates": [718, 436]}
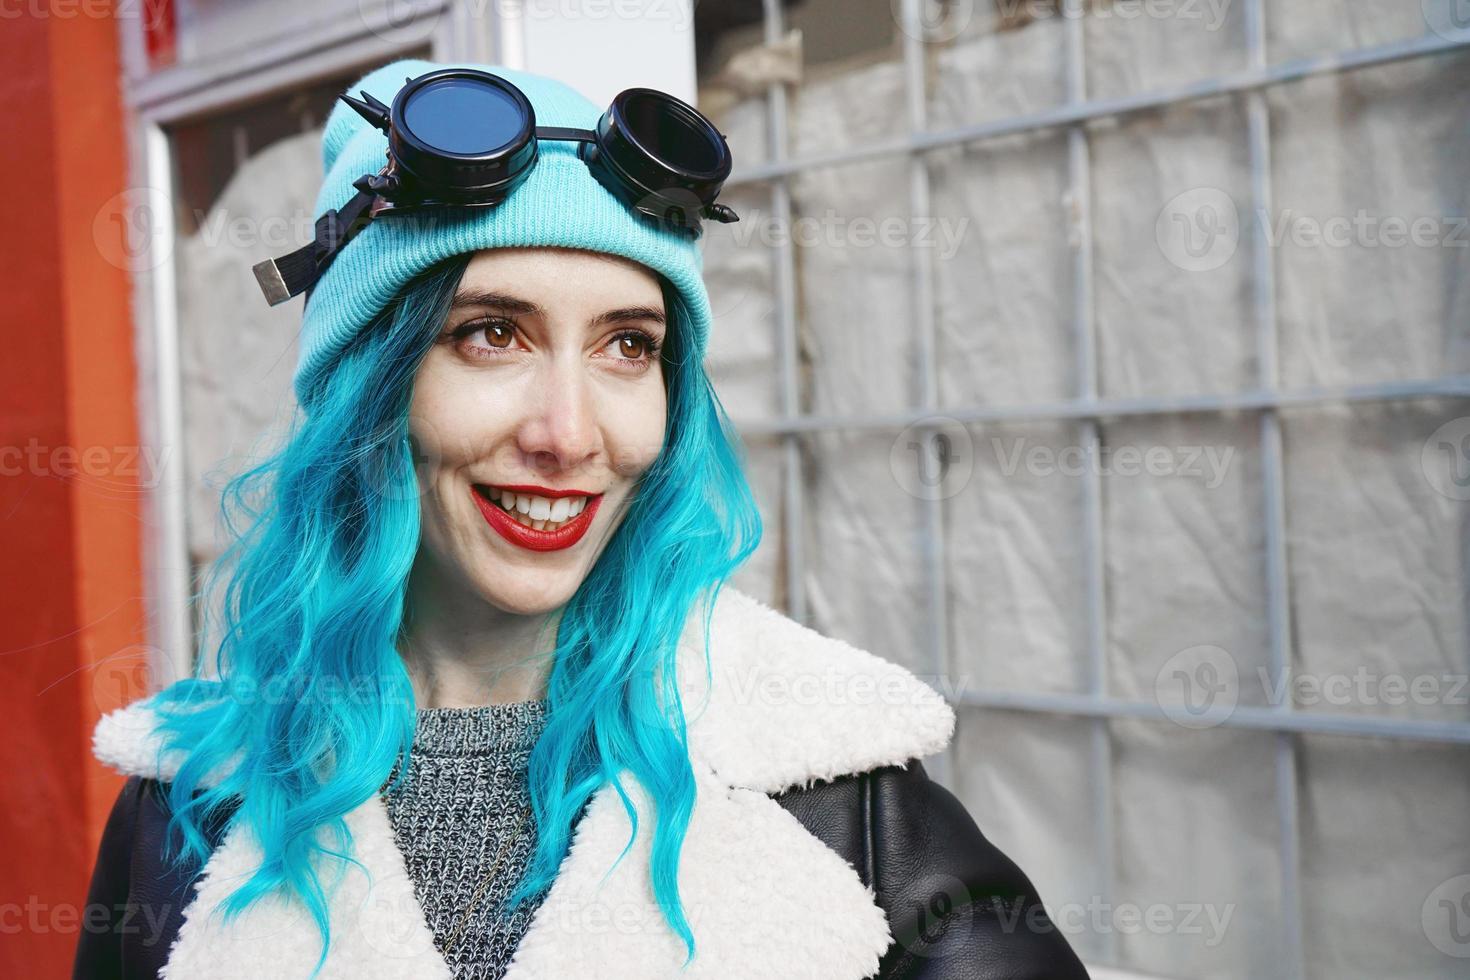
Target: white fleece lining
{"type": "Point", "coordinates": [378, 932]}
{"type": "Point", "coordinates": [764, 897]}
{"type": "Point", "coordinates": [789, 706]}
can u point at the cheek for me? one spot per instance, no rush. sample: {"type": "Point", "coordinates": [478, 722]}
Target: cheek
{"type": "Point", "coordinates": [449, 426]}
{"type": "Point", "coordinates": [636, 433]}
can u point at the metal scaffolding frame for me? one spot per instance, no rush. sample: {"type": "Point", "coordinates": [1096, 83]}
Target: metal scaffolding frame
{"type": "Point", "coordinates": [1087, 409]}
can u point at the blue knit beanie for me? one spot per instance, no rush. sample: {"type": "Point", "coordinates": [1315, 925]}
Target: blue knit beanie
{"type": "Point", "coordinates": [559, 204]}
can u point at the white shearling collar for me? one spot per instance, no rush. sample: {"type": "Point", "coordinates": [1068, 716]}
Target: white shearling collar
{"type": "Point", "coordinates": [787, 707]}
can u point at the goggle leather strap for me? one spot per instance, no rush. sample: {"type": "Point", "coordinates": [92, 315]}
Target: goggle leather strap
{"type": "Point", "coordinates": [288, 276]}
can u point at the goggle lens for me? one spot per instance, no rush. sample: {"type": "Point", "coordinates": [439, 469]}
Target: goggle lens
{"type": "Point", "coordinates": [464, 116]}
{"type": "Point", "coordinates": [670, 133]}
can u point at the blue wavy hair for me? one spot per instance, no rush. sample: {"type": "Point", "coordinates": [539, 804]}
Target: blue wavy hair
{"type": "Point", "coordinates": [311, 706]}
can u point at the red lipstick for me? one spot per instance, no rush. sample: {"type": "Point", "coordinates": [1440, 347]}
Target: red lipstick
{"type": "Point", "coordinates": [528, 537]}
{"type": "Point", "coordinates": [529, 488]}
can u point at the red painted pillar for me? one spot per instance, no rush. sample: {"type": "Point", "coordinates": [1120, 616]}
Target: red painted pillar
{"type": "Point", "coordinates": [70, 504]}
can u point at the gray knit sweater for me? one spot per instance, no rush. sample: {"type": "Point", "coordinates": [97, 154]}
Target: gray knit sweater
{"type": "Point", "coordinates": [457, 816]}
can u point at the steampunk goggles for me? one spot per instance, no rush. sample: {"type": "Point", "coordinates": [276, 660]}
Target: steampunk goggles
{"type": "Point", "coordinates": [462, 137]}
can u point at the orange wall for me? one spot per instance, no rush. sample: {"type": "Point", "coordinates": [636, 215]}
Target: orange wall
{"type": "Point", "coordinates": [70, 508]}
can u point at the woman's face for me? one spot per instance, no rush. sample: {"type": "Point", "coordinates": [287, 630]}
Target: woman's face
{"type": "Point", "coordinates": [544, 392]}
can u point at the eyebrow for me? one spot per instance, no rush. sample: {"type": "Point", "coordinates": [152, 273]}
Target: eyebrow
{"type": "Point", "coordinates": [514, 304]}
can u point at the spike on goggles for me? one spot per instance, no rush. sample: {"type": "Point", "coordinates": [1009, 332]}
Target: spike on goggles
{"type": "Point", "coordinates": [462, 137]}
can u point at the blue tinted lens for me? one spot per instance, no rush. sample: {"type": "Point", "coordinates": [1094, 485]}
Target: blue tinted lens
{"type": "Point", "coordinates": [460, 115]}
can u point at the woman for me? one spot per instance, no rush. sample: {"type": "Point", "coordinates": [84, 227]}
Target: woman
{"type": "Point", "coordinates": [483, 706]}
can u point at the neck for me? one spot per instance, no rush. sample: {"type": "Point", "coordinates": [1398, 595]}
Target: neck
{"type": "Point", "coordinates": [463, 652]}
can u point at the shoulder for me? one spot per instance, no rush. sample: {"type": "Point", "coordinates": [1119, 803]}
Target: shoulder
{"type": "Point", "coordinates": [957, 904]}
{"type": "Point", "coordinates": [138, 814]}
{"type": "Point", "coordinates": [777, 704]}
{"type": "Point", "coordinates": [770, 703]}
{"type": "Point", "coordinates": [134, 880]}
{"type": "Point", "coordinates": [130, 741]}
{"type": "Point", "coordinates": [139, 822]}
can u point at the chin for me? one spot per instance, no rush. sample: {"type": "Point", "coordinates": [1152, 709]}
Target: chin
{"type": "Point", "coordinates": [527, 597]}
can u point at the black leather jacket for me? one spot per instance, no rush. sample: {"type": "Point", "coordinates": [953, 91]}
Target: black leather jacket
{"type": "Point", "coordinates": [958, 908]}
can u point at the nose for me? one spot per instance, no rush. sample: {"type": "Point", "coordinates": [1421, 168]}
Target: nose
{"type": "Point", "coordinates": [560, 432]}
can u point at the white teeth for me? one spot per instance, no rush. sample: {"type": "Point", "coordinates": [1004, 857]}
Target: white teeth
{"type": "Point", "coordinates": [541, 513]}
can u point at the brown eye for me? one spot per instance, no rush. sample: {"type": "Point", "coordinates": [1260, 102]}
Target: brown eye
{"type": "Point", "coordinates": [633, 343]}
{"type": "Point", "coordinates": [495, 332]}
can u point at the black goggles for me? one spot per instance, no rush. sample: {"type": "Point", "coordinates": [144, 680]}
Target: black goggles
{"type": "Point", "coordinates": [461, 137]}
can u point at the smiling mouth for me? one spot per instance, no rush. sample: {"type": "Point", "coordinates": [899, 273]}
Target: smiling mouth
{"type": "Point", "coordinates": [533, 510]}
